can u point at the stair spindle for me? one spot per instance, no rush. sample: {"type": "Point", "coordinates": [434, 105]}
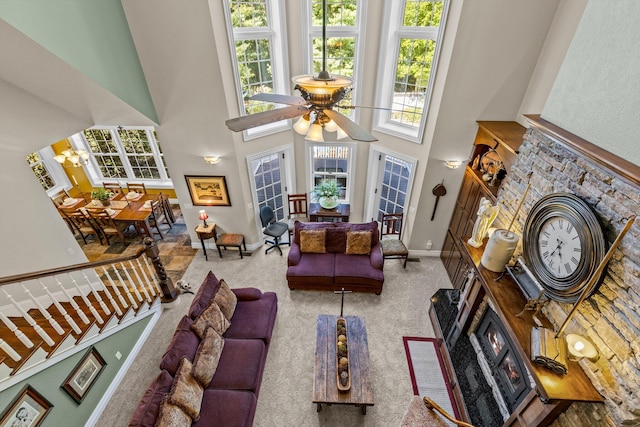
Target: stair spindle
{"type": "Point", "coordinates": [41, 332]}
{"type": "Point", "coordinates": [116, 291]}
{"type": "Point", "coordinates": [152, 274]}
{"type": "Point", "coordinates": [73, 302]}
{"type": "Point", "coordinates": [139, 282]}
{"type": "Point", "coordinates": [9, 350]}
{"type": "Point", "coordinates": [127, 292]}
{"type": "Point", "coordinates": [133, 285]}
{"type": "Point", "coordinates": [86, 301]}
{"type": "Point", "coordinates": [67, 317]}
{"type": "Point", "coordinates": [17, 332]}
{"type": "Point", "coordinates": [54, 324]}
{"type": "Point", "coordinates": [96, 294]}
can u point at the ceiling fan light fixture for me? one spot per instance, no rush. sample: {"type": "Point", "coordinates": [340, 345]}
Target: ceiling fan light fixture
{"type": "Point", "coordinates": [302, 125]}
{"type": "Point", "coordinates": [331, 126]}
{"type": "Point", "coordinates": [341, 134]}
{"type": "Point", "coordinates": [315, 133]}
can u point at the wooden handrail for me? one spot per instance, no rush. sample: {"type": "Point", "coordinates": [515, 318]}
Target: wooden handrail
{"type": "Point", "coordinates": [60, 270]}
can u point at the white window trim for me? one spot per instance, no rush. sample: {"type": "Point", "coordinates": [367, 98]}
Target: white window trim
{"type": "Point", "coordinates": [92, 169]}
{"type": "Point", "coordinates": [56, 171]}
{"type": "Point", "coordinates": [351, 172]}
{"type": "Point", "coordinates": [390, 43]}
{"type": "Point", "coordinates": [277, 35]}
{"type": "Point", "coordinates": [309, 32]}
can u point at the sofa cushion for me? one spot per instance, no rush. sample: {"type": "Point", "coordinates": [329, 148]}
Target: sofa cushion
{"type": "Point", "coordinates": [247, 294]}
{"type": "Point", "coordinates": [147, 410]}
{"type": "Point", "coordinates": [170, 415]}
{"type": "Point", "coordinates": [358, 242]}
{"type": "Point", "coordinates": [336, 241]}
{"type": "Point", "coordinates": [357, 270]}
{"type": "Point", "coordinates": [241, 365]}
{"type": "Point", "coordinates": [226, 299]}
{"type": "Point", "coordinates": [212, 317]}
{"type": "Point", "coordinates": [254, 319]}
{"type": "Point", "coordinates": [186, 392]}
{"type": "Point", "coordinates": [183, 344]}
{"type": "Point", "coordinates": [312, 241]}
{"type": "Point", "coordinates": [206, 360]}
{"type": "Point", "coordinates": [228, 408]}
{"type": "Point", "coordinates": [203, 296]}
{"type": "Point", "coordinates": [314, 268]}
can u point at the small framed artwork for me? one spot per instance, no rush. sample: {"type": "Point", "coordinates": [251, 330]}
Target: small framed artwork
{"type": "Point", "coordinates": [208, 190]}
{"type": "Point", "coordinates": [84, 375]}
{"type": "Point", "coordinates": [28, 409]}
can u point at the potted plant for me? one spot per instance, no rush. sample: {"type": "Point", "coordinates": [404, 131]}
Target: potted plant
{"type": "Point", "coordinates": [327, 193]}
{"type": "Point", "coordinates": [103, 195]}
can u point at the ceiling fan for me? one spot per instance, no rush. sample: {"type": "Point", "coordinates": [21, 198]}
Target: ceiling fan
{"type": "Point", "coordinates": [320, 95]}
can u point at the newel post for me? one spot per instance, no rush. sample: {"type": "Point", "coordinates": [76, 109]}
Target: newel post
{"type": "Point", "coordinates": [169, 293]}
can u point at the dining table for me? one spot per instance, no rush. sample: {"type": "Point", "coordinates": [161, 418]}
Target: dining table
{"type": "Point", "coordinates": [128, 208]}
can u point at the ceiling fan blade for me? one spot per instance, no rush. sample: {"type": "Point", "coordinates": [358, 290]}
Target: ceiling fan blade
{"type": "Point", "coordinates": [351, 128]}
{"type": "Point", "coordinates": [258, 119]}
{"type": "Point", "coordinates": [278, 99]}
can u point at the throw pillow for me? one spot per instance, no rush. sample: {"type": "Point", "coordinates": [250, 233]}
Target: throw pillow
{"type": "Point", "coordinates": [211, 317]}
{"type": "Point", "coordinates": [226, 299]}
{"type": "Point", "coordinates": [186, 392]}
{"type": "Point", "coordinates": [147, 410]}
{"type": "Point", "coordinates": [207, 357]}
{"type": "Point", "coordinates": [171, 415]}
{"type": "Point", "coordinates": [312, 241]}
{"type": "Point", "coordinates": [203, 296]}
{"type": "Point", "coordinates": [336, 240]}
{"type": "Point", "coordinates": [358, 242]}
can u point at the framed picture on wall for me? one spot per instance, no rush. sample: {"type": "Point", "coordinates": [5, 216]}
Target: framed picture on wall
{"type": "Point", "coordinates": [84, 375]}
{"type": "Point", "coordinates": [28, 409]}
{"type": "Point", "coordinates": [208, 190]}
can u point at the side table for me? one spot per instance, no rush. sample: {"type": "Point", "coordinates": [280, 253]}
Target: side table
{"type": "Point", "coordinates": [341, 212]}
{"type": "Point", "coordinates": [208, 232]}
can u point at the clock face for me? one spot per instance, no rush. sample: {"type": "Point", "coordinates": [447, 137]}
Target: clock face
{"type": "Point", "coordinates": [560, 246]}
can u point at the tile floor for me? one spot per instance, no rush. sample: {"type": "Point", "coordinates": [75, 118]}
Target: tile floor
{"type": "Point", "coordinates": [176, 252]}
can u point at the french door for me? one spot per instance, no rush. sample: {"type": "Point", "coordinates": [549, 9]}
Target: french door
{"type": "Point", "coordinates": [270, 175]}
{"type": "Point", "coordinates": [393, 177]}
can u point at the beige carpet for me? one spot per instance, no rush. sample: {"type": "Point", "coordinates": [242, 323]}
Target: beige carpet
{"type": "Point", "coordinates": [285, 394]}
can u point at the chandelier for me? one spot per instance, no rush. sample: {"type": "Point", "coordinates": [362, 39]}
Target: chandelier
{"type": "Point", "coordinates": [72, 158]}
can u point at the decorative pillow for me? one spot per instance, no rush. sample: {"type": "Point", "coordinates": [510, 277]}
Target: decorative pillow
{"type": "Point", "coordinates": [226, 299]}
{"type": "Point", "coordinates": [186, 392]}
{"type": "Point", "coordinates": [203, 296]}
{"type": "Point", "coordinates": [358, 242]}
{"type": "Point", "coordinates": [211, 317]}
{"type": "Point", "coordinates": [207, 357]}
{"type": "Point", "coordinates": [336, 240]}
{"type": "Point", "coordinates": [171, 415]}
{"type": "Point", "coordinates": [372, 226]}
{"type": "Point", "coordinates": [299, 226]}
{"type": "Point", "coordinates": [147, 410]}
{"type": "Point", "coordinates": [312, 241]}
{"type": "Point", "coordinates": [183, 344]}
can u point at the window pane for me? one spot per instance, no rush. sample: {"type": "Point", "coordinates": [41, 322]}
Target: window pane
{"type": "Point", "coordinates": [422, 13]}
{"type": "Point", "coordinates": [255, 70]}
{"type": "Point", "coordinates": [340, 55]}
{"type": "Point", "coordinates": [247, 14]}
{"type": "Point", "coordinates": [339, 12]}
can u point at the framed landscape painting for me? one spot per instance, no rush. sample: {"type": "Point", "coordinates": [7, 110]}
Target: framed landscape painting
{"type": "Point", "coordinates": [28, 409]}
{"type": "Point", "coordinates": [208, 190]}
{"type": "Point", "coordinates": [84, 375]}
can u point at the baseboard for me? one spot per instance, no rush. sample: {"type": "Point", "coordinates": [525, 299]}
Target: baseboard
{"type": "Point", "coordinates": [413, 253]}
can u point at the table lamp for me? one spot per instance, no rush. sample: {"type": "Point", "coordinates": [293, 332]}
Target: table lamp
{"type": "Point", "coordinates": [203, 216]}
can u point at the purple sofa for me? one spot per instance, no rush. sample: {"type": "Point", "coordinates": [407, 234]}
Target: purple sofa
{"type": "Point", "coordinates": [351, 257]}
{"type": "Point", "coordinates": [230, 398]}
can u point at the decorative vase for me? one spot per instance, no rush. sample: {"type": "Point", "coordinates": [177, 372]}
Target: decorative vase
{"type": "Point", "coordinates": [106, 202]}
{"type": "Point", "coordinates": [343, 374]}
{"type": "Point", "coordinates": [328, 202]}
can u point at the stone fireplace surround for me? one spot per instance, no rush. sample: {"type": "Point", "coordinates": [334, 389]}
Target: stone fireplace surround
{"type": "Point", "coordinates": [554, 160]}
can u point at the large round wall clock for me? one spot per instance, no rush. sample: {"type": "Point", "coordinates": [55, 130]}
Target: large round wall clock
{"type": "Point", "coordinates": [563, 243]}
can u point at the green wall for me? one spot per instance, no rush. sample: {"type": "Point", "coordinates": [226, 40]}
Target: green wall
{"type": "Point", "coordinates": [66, 412]}
{"type": "Point", "coordinates": [91, 36]}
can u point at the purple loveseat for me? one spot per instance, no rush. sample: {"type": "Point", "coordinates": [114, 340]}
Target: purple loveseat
{"type": "Point", "coordinates": [340, 263]}
{"type": "Point", "coordinates": [230, 398]}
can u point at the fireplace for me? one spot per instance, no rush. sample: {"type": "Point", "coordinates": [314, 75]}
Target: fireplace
{"type": "Point", "coordinates": [506, 367]}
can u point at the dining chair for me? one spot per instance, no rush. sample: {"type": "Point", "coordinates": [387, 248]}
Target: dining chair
{"type": "Point", "coordinates": [168, 210]}
{"type": "Point", "coordinates": [390, 238]}
{"type": "Point", "coordinates": [107, 226]}
{"type": "Point", "coordinates": [59, 197]}
{"type": "Point", "coordinates": [298, 211]}
{"type": "Point", "coordinates": [81, 223]}
{"type": "Point", "coordinates": [114, 187]}
{"type": "Point", "coordinates": [158, 216]}
{"type": "Point", "coordinates": [137, 187]}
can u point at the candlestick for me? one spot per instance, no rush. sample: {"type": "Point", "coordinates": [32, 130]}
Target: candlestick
{"type": "Point", "coordinates": [74, 180]}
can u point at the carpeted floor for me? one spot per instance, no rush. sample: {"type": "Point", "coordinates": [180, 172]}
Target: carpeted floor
{"type": "Point", "coordinates": [285, 394]}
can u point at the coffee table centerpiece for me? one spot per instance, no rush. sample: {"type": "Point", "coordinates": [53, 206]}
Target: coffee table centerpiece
{"type": "Point", "coordinates": [342, 359]}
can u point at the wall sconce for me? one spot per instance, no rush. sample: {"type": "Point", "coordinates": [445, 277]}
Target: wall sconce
{"type": "Point", "coordinates": [453, 164]}
{"type": "Point", "coordinates": [579, 347]}
{"type": "Point", "coordinates": [203, 216]}
{"type": "Point", "coordinates": [212, 160]}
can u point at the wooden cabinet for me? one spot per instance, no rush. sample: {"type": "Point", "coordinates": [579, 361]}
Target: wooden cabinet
{"type": "Point", "coordinates": [505, 138]}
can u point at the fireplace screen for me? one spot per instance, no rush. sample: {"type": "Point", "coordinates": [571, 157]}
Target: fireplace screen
{"type": "Point", "coordinates": [502, 357]}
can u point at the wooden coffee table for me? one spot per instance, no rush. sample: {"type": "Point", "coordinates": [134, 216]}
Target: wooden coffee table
{"type": "Point", "coordinates": [325, 389]}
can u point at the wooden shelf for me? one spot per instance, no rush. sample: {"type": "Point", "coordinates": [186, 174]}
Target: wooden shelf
{"type": "Point", "coordinates": [509, 301]}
